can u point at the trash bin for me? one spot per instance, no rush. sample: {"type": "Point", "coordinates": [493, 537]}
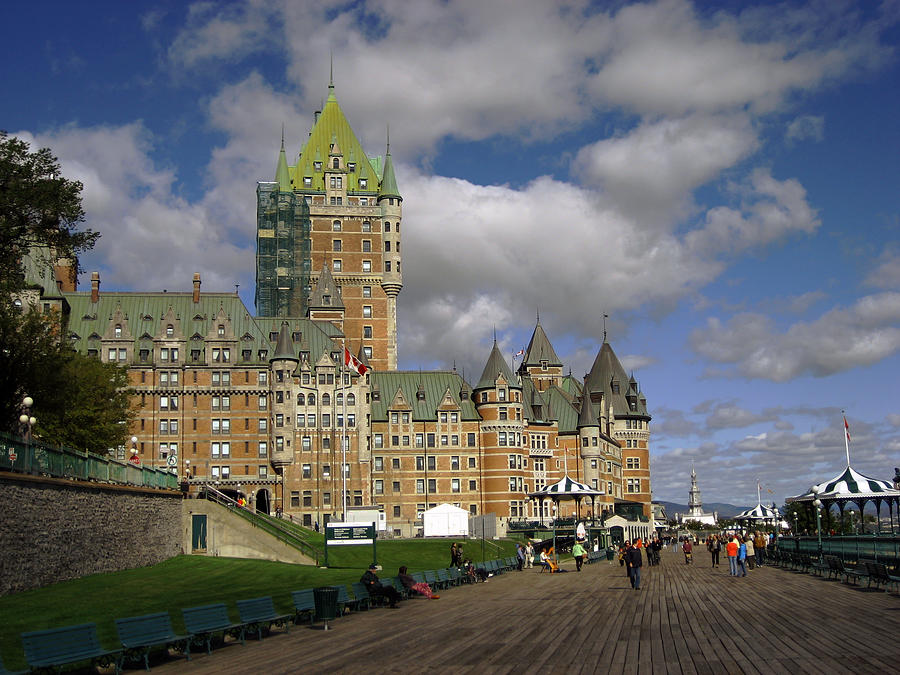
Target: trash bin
{"type": "Point", "coordinates": [325, 599]}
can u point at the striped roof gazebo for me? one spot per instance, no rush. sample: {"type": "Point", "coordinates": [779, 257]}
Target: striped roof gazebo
{"type": "Point", "coordinates": [565, 489]}
{"type": "Point", "coordinates": [761, 514]}
{"type": "Point", "coordinates": [855, 488]}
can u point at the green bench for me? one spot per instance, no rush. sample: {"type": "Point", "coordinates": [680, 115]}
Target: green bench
{"type": "Point", "coordinates": [399, 587]}
{"type": "Point", "coordinates": [304, 603]}
{"type": "Point", "coordinates": [258, 614]}
{"type": "Point", "coordinates": [431, 579]}
{"type": "Point", "coordinates": [363, 598]}
{"type": "Point", "coordinates": [880, 576]}
{"type": "Point", "coordinates": [344, 600]}
{"type": "Point", "coordinates": [50, 649]}
{"type": "Point", "coordinates": [443, 578]}
{"type": "Point", "coordinates": [206, 621]}
{"type": "Point", "coordinates": [139, 634]}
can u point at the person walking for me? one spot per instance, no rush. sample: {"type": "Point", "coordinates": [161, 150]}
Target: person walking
{"type": "Point", "coordinates": [688, 549]}
{"type": "Point", "coordinates": [731, 552]}
{"type": "Point", "coordinates": [742, 558]}
{"type": "Point", "coordinates": [529, 554]}
{"type": "Point", "coordinates": [633, 564]}
{"type": "Point", "coordinates": [453, 556]}
{"type": "Point", "coordinates": [751, 552]}
{"type": "Point", "coordinates": [759, 544]}
{"type": "Point", "coordinates": [579, 554]}
{"type": "Point", "coordinates": [520, 557]}
{"type": "Point", "coordinates": [715, 548]}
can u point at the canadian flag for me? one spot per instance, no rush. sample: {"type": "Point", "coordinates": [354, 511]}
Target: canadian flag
{"type": "Point", "coordinates": [846, 428]}
{"type": "Point", "coordinates": [519, 353]}
{"type": "Point", "coordinates": [354, 363]}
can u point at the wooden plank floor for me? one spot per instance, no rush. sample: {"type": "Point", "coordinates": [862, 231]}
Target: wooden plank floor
{"type": "Point", "coordinates": [685, 619]}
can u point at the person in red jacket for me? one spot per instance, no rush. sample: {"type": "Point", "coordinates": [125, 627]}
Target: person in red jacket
{"type": "Point", "coordinates": [731, 550]}
{"type": "Point", "coordinates": [688, 548]}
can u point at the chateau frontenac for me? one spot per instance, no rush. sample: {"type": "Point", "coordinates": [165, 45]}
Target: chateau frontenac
{"type": "Point", "coordinates": [260, 403]}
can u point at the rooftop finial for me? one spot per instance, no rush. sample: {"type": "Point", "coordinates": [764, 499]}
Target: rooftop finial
{"type": "Point", "coordinates": [605, 317]}
{"type": "Point", "coordinates": [388, 138]}
{"type": "Point", "coordinates": [331, 72]}
{"type": "Point", "coordinates": [538, 311]}
{"type": "Point", "coordinates": [282, 135]}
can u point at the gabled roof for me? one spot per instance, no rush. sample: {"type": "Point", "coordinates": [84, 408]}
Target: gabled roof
{"type": "Point", "coordinates": [496, 365]}
{"type": "Point", "coordinates": [539, 349]}
{"type": "Point", "coordinates": [434, 385]}
{"type": "Point", "coordinates": [332, 127]}
{"type": "Point", "coordinates": [326, 287]}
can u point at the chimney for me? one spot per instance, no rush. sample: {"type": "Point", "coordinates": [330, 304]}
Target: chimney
{"type": "Point", "coordinates": [95, 287]}
{"type": "Point", "coordinates": [196, 287]}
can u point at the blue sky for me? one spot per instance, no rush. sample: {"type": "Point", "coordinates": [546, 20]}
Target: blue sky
{"type": "Point", "coordinates": [721, 179]}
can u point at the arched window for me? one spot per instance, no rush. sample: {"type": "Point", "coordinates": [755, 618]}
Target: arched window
{"type": "Point", "coordinates": [311, 399]}
{"type": "Point", "coordinates": [336, 163]}
{"type": "Point", "coordinates": [326, 399]}
{"type": "Point", "coordinates": [339, 399]}
{"type": "Point", "coordinates": [300, 399]}
{"type": "Point", "coordinates": [118, 330]}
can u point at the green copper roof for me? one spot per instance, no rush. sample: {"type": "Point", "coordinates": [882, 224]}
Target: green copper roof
{"type": "Point", "coordinates": [388, 181]}
{"type": "Point", "coordinates": [332, 126]}
{"type": "Point", "coordinates": [284, 349]}
{"type": "Point", "coordinates": [608, 375]}
{"type": "Point", "coordinates": [540, 349]}
{"type": "Point", "coordinates": [282, 173]}
{"type": "Point", "coordinates": [562, 409]}
{"type": "Point", "coordinates": [434, 385]}
{"type": "Point", "coordinates": [496, 365]}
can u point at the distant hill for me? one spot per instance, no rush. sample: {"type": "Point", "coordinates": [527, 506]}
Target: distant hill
{"type": "Point", "coordinates": [724, 510]}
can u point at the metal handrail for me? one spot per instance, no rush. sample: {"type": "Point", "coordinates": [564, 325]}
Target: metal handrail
{"type": "Point", "coordinates": [38, 458]}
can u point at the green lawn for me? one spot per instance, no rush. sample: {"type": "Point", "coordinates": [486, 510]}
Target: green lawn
{"type": "Point", "coordinates": [187, 581]}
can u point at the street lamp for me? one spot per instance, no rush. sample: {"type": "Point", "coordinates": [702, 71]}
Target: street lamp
{"type": "Point", "coordinates": [27, 420]}
{"type": "Point", "coordinates": [818, 504]}
{"type": "Point", "coordinates": [134, 459]}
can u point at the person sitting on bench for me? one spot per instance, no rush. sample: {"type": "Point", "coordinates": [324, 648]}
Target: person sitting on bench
{"type": "Point", "coordinates": [376, 589]}
{"type": "Point", "coordinates": [419, 587]}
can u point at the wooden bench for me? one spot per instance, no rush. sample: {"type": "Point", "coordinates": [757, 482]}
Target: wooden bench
{"type": "Point", "coordinates": [49, 649]}
{"type": "Point", "coordinates": [304, 603]}
{"type": "Point", "coordinates": [206, 621]}
{"type": "Point", "coordinates": [443, 578]}
{"type": "Point", "coordinates": [139, 634]}
{"type": "Point", "coordinates": [258, 614]}
{"type": "Point", "coordinates": [878, 575]}
{"type": "Point", "coordinates": [431, 579]}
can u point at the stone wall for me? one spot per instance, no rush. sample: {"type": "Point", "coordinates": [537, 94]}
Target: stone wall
{"type": "Point", "coordinates": [53, 530]}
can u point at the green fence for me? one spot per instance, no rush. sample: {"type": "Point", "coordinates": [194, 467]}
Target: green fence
{"type": "Point", "coordinates": [881, 548]}
{"type": "Point", "coordinates": [60, 462]}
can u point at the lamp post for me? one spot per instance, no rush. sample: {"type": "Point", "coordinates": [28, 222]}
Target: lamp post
{"type": "Point", "coordinates": [134, 459]}
{"type": "Point", "coordinates": [818, 504]}
{"type": "Point", "coordinates": [27, 420]}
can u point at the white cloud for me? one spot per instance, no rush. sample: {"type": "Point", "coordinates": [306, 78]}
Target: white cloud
{"type": "Point", "coordinates": [770, 210]}
{"type": "Point", "coordinates": [652, 170]}
{"type": "Point", "coordinates": [132, 204]}
{"type": "Point", "coordinates": [886, 273]}
{"type": "Point", "coordinates": [805, 127]}
{"type": "Point", "coordinates": [843, 338]}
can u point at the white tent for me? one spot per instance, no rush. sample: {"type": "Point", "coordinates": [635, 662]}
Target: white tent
{"type": "Point", "coordinates": [445, 520]}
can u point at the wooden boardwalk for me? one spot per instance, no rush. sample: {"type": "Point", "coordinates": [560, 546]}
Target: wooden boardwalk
{"type": "Point", "coordinates": [685, 619]}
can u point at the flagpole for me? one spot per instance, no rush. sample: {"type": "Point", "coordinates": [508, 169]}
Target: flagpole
{"type": "Point", "coordinates": [846, 437]}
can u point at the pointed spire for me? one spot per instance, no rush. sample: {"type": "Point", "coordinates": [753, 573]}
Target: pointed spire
{"type": "Point", "coordinates": [539, 349]}
{"type": "Point", "coordinates": [388, 186]}
{"type": "Point", "coordinates": [327, 294]}
{"type": "Point", "coordinates": [282, 173]}
{"type": "Point", "coordinates": [496, 365]}
{"type": "Point", "coordinates": [586, 417]}
{"type": "Point", "coordinates": [284, 348]}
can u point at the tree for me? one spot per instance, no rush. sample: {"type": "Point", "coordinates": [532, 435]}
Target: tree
{"type": "Point", "coordinates": [78, 401]}
{"type": "Point", "coordinates": [39, 210]}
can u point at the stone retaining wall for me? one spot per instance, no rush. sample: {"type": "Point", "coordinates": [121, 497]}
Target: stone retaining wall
{"type": "Point", "coordinates": [53, 530]}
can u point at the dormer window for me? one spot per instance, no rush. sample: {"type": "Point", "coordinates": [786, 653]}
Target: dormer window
{"type": "Point", "coordinates": [326, 299]}
{"type": "Point", "coordinates": [221, 330]}
{"type": "Point", "coordinates": [170, 330]}
{"type": "Point", "coordinates": [501, 394]}
{"type": "Point", "coordinates": [351, 167]}
{"type": "Point", "coordinates": [615, 386]}
{"type": "Point", "coordinates": [118, 330]}
{"type": "Point", "coordinates": [363, 183]}
{"type": "Point", "coordinates": [336, 163]}
{"type": "Point", "coordinates": [307, 181]}
{"type": "Point", "coordinates": [544, 364]}
{"type": "Point", "coordinates": [317, 166]}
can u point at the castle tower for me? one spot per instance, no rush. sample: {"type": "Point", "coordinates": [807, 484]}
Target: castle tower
{"type": "Point", "coordinates": [498, 400]}
{"type": "Point", "coordinates": [540, 362]}
{"type": "Point", "coordinates": [629, 422]}
{"type": "Point", "coordinates": [335, 206]}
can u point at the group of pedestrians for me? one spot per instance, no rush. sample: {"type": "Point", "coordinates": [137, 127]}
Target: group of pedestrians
{"type": "Point", "coordinates": [743, 551]}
